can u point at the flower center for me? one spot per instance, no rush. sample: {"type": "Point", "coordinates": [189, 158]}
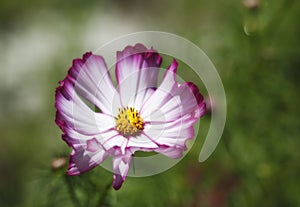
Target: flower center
{"type": "Point", "coordinates": [129, 121]}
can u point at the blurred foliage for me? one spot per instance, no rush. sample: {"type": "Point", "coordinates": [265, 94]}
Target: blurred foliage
{"type": "Point", "coordinates": [256, 51]}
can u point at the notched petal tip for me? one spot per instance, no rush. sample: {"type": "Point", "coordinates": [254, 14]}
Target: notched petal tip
{"type": "Point", "coordinates": [171, 71]}
{"type": "Point", "coordinates": [194, 89]}
{"type": "Point", "coordinates": [149, 55]}
{"type": "Point", "coordinates": [84, 58]}
{"type": "Point", "coordinates": [201, 109]}
{"type": "Point", "coordinates": [173, 66]}
{"type": "Point", "coordinates": [86, 55]}
{"type": "Point", "coordinates": [131, 50]}
{"type": "Point", "coordinates": [64, 92]}
{"type": "Point", "coordinates": [77, 64]}
{"type": "Point", "coordinates": [64, 89]}
{"type": "Point", "coordinates": [72, 172]}
{"type": "Point", "coordinates": [118, 181]}
{"type": "Point", "coordinates": [121, 167]}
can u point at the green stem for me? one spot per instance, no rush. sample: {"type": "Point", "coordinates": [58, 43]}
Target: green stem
{"type": "Point", "coordinates": [71, 191]}
{"type": "Point", "coordinates": [103, 196]}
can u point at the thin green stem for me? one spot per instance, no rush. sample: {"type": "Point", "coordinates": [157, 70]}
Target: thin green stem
{"type": "Point", "coordinates": [71, 191]}
{"type": "Point", "coordinates": [104, 194]}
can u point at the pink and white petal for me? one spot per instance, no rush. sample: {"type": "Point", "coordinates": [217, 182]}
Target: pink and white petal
{"type": "Point", "coordinates": [75, 142]}
{"type": "Point", "coordinates": [171, 140]}
{"type": "Point", "coordinates": [92, 81]}
{"type": "Point", "coordinates": [104, 122]}
{"type": "Point", "coordinates": [72, 137]}
{"type": "Point", "coordinates": [82, 160]}
{"type": "Point", "coordinates": [121, 164]}
{"type": "Point", "coordinates": [75, 139]}
{"type": "Point", "coordinates": [93, 145]}
{"type": "Point", "coordinates": [136, 70]}
{"type": "Point", "coordinates": [142, 95]}
{"type": "Point", "coordinates": [178, 102]}
{"type": "Point", "coordinates": [78, 140]}
{"type": "Point", "coordinates": [162, 94]}
{"type": "Point", "coordinates": [141, 141]}
{"type": "Point", "coordinates": [201, 108]}
{"type": "Point", "coordinates": [171, 152]}
{"type": "Point", "coordinates": [171, 133]}
{"type": "Point", "coordinates": [116, 141]}
{"type": "Point", "coordinates": [73, 112]}
{"type": "Point", "coordinates": [169, 111]}
{"type": "Point", "coordinates": [181, 102]}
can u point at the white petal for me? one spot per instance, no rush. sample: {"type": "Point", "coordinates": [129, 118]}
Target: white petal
{"type": "Point", "coordinates": [141, 141]}
{"type": "Point", "coordinates": [171, 133]}
{"type": "Point", "coordinates": [82, 160]}
{"type": "Point", "coordinates": [121, 164]}
{"type": "Point", "coordinates": [161, 95]}
{"type": "Point", "coordinates": [137, 71]}
{"type": "Point", "coordinates": [92, 81]}
{"type": "Point", "coordinates": [74, 113]}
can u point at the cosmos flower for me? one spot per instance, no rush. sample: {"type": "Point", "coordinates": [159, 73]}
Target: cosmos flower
{"type": "Point", "coordinates": [137, 115]}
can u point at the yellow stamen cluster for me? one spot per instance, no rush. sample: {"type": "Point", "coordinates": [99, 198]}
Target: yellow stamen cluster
{"type": "Point", "coordinates": [129, 121]}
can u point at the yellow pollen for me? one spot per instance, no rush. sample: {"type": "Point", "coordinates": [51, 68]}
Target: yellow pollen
{"type": "Point", "coordinates": [129, 121]}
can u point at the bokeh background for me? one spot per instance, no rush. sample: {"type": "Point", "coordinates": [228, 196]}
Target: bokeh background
{"type": "Point", "coordinates": [255, 46]}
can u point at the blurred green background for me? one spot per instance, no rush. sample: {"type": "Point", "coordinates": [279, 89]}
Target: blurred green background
{"type": "Point", "coordinates": [255, 46]}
